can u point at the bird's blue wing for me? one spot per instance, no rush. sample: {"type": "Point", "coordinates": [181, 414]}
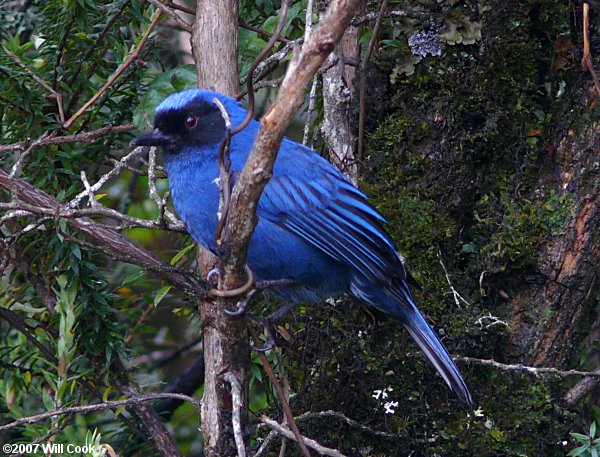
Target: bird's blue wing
{"type": "Point", "coordinates": [308, 197]}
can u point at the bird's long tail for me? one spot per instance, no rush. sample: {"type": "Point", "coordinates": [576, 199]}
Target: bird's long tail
{"type": "Point", "coordinates": [429, 343]}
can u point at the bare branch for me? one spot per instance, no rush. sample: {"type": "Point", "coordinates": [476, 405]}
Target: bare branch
{"type": "Point", "coordinates": [109, 239]}
{"type": "Point", "coordinates": [98, 407]}
{"type": "Point", "coordinates": [363, 78]}
{"type": "Point", "coordinates": [281, 394]}
{"type": "Point", "coordinates": [284, 431]}
{"type": "Point", "coordinates": [535, 371]}
{"type": "Point", "coordinates": [172, 14]}
{"type": "Point", "coordinates": [259, 165]}
{"type": "Point", "coordinates": [85, 137]}
{"type": "Point", "coordinates": [413, 14]}
{"type": "Point", "coordinates": [160, 202]}
{"type": "Point", "coordinates": [132, 57]}
{"type": "Point", "coordinates": [582, 388]}
{"type": "Point", "coordinates": [236, 398]}
{"type": "Point", "coordinates": [41, 82]}
{"type": "Point", "coordinates": [16, 168]}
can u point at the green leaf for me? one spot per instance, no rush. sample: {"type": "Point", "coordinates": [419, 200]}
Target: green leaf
{"type": "Point", "coordinates": [172, 81]}
{"type": "Point", "coordinates": [593, 430]}
{"type": "Point", "coordinates": [580, 437]}
{"type": "Point", "coordinates": [578, 451]}
{"type": "Point", "coordinates": [162, 292]}
{"type": "Point", "coordinates": [133, 277]}
{"type": "Point", "coordinates": [181, 253]}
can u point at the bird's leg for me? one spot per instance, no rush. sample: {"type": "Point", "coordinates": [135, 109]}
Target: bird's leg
{"type": "Point", "coordinates": [269, 326]}
{"type": "Point", "coordinates": [242, 305]}
{"type": "Point", "coordinates": [273, 283]}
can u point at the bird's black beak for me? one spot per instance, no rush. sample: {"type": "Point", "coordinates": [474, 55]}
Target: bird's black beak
{"type": "Point", "coordinates": [153, 138]}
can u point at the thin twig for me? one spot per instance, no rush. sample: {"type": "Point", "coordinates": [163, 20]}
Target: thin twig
{"type": "Point", "coordinates": [412, 14]}
{"type": "Point", "coordinates": [84, 137]}
{"type": "Point", "coordinates": [132, 57]}
{"type": "Point", "coordinates": [582, 388]}
{"type": "Point", "coordinates": [313, 90]}
{"type": "Point", "coordinates": [41, 82]}
{"type": "Point", "coordinates": [63, 212]}
{"type": "Point", "coordinates": [457, 296]}
{"type": "Point", "coordinates": [98, 407]}
{"type": "Point", "coordinates": [363, 79]}
{"type": "Point", "coordinates": [281, 394]}
{"type": "Point", "coordinates": [181, 8]}
{"type": "Point", "coordinates": [347, 420]}
{"type": "Point", "coordinates": [160, 202]}
{"type": "Point", "coordinates": [236, 399]}
{"type": "Point", "coordinates": [284, 431]}
{"type": "Point", "coordinates": [265, 444]}
{"type": "Point", "coordinates": [262, 32]}
{"type": "Point", "coordinates": [114, 171]}
{"type": "Point", "coordinates": [18, 165]}
{"type": "Point", "coordinates": [535, 371]}
{"type": "Point", "coordinates": [172, 14]}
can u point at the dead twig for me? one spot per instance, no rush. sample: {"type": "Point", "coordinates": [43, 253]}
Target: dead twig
{"type": "Point", "coordinates": [535, 371]}
{"type": "Point", "coordinates": [98, 407]}
{"type": "Point", "coordinates": [85, 137]}
{"type": "Point", "coordinates": [172, 14]}
{"type": "Point", "coordinates": [284, 431]}
{"type": "Point", "coordinates": [363, 78]}
{"type": "Point", "coordinates": [55, 94]}
{"type": "Point", "coordinates": [281, 394]}
{"type": "Point", "coordinates": [236, 399]}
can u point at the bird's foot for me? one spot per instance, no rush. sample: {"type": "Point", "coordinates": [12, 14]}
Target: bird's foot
{"type": "Point", "coordinates": [242, 305]}
{"type": "Point", "coordinates": [270, 332]}
{"type": "Point", "coordinates": [213, 277]}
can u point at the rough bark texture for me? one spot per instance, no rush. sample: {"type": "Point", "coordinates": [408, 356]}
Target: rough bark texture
{"type": "Point", "coordinates": [558, 303]}
{"type": "Point", "coordinates": [214, 45]}
{"type": "Point", "coordinates": [338, 124]}
{"type": "Point", "coordinates": [226, 349]}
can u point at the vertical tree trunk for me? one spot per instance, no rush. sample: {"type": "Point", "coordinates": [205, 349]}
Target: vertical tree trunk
{"type": "Point", "coordinates": [550, 314]}
{"type": "Point", "coordinates": [338, 90]}
{"type": "Point", "coordinates": [214, 45]}
{"type": "Point", "coordinates": [226, 350]}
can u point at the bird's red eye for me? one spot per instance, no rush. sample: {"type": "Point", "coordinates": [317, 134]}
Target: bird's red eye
{"type": "Point", "coordinates": [191, 122]}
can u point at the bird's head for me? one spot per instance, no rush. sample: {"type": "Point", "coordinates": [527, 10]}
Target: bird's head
{"type": "Point", "coordinates": [190, 118]}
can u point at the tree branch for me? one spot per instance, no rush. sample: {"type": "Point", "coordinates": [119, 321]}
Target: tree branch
{"type": "Point", "coordinates": [98, 407]}
{"type": "Point", "coordinates": [536, 371]}
{"type": "Point", "coordinates": [85, 137]}
{"type": "Point", "coordinates": [254, 177]}
{"type": "Point", "coordinates": [284, 431]}
{"type": "Point", "coordinates": [109, 239]}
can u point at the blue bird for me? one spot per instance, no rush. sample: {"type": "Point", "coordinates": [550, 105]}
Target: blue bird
{"type": "Point", "coordinates": [314, 228]}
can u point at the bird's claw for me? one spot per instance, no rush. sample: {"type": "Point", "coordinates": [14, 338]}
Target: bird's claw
{"type": "Point", "coordinates": [242, 305]}
{"type": "Point", "coordinates": [269, 345]}
{"type": "Point", "coordinates": [269, 330]}
{"type": "Point", "coordinates": [213, 276]}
